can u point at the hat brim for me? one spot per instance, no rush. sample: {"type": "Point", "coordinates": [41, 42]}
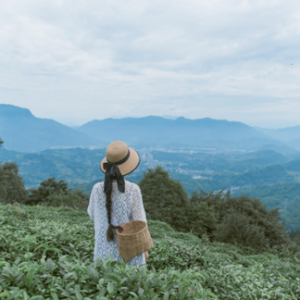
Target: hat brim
{"type": "Point", "coordinates": [128, 166]}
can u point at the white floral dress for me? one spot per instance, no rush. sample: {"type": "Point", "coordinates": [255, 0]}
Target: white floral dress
{"type": "Point", "coordinates": [127, 206]}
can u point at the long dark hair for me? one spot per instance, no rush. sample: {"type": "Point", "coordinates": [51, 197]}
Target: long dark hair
{"type": "Point", "coordinates": [108, 190]}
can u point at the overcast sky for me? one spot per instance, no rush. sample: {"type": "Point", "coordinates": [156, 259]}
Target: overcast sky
{"type": "Point", "coordinates": [75, 61]}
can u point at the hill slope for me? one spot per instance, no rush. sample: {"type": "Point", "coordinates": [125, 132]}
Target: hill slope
{"type": "Point", "coordinates": [22, 131]}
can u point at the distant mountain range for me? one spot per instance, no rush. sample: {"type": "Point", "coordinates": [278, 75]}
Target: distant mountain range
{"type": "Point", "coordinates": [290, 135]}
{"type": "Point", "coordinates": [22, 131]}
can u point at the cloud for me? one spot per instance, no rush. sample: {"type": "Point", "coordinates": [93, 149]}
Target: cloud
{"type": "Point", "coordinates": [80, 60]}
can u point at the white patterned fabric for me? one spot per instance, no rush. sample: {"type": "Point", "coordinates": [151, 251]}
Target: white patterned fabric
{"type": "Point", "coordinates": [127, 206]}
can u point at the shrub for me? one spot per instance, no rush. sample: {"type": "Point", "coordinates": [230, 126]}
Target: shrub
{"type": "Point", "coordinates": [12, 187]}
{"type": "Point", "coordinates": [75, 200]}
{"type": "Point", "coordinates": [164, 198]}
{"type": "Point", "coordinates": [47, 188]}
{"type": "Point", "coordinates": [237, 229]}
{"type": "Point", "coordinates": [56, 193]}
{"type": "Point", "coordinates": [240, 220]}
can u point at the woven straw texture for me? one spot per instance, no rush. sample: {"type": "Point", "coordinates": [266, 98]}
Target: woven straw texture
{"type": "Point", "coordinates": [134, 240]}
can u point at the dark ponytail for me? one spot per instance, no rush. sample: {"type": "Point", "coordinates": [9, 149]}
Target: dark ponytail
{"type": "Point", "coordinates": [108, 190]}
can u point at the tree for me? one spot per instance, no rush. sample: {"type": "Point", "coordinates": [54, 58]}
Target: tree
{"type": "Point", "coordinates": [164, 198]}
{"type": "Point", "coordinates": [238, 228]}
{"type": "Point", "coordinates": [1, 144]}
{"type": "Point", "coordinates": [12, 187]}
{"type": "Point", "coordinates": [202, 216]}
{"type": "Point", "coordinates": [47, 188]}
{"type": "Point", "coordinates": [295, 236]}
{"type": "Point", "coordinates": [241, 220]}
{"type": "Point", "coordinates": [56, 193]}
{"type": "Point", "coordinates": [75, 200]}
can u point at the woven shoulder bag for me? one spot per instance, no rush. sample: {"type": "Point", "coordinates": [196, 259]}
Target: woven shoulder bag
{"type": "Point", "coordinates": [135, 238]}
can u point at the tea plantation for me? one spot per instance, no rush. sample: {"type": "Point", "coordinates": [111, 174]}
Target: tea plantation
{"type": "Point", "coordinates": [47, 253]}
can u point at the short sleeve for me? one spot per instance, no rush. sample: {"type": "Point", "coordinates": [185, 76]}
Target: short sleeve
{"type": "Point", "coordinates": [92, 203]}
{"type": "Point", "coordinates": [138, 211]}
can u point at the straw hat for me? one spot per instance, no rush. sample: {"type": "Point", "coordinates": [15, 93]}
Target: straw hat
{"type": "Point", "coordinates": [127, 159]}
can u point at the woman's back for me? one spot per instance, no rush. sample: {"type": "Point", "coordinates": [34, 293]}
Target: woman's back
{"type": "Point", "coordinates": [127, 206]}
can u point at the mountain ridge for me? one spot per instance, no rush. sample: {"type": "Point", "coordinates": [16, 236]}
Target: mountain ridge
{"type": "Point", "coordinates": [24, 132]}
{"type": "Point", "coordinates": [289, 135]}
{"type": "Point", "coordinates": [181, 132]}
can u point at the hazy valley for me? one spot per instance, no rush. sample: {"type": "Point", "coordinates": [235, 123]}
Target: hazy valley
{"type": "Point", "coordinates": [205, 153]}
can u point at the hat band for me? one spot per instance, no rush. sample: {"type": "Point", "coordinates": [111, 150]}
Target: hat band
{"type": "Point", "coordinates": [120, 161]}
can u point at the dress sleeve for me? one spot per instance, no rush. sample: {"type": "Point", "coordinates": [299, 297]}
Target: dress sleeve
{"type": "Point", "coordinates": [138, 211]}
{"type": "Point", "coordinates": [92, 203]}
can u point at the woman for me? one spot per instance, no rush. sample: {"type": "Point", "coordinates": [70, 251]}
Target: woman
{"type": "Point", "coordinates": [116, 201]}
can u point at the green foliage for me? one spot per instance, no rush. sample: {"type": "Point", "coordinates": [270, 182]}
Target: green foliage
{"type": "Point", "coordinates": [47, 188]}
{"type": "Point", "coordinates": [164, 198]}
{"type": "Point", "coordinates": [56, 193]}
{"type": "Point", "coordinates": [42, 256]}
{"type": "Point", "coordinates": [202, 219]}
{"type": "Point", "coordinates": [239, 220]}
{"type": "Point", "coordinates": [76, 200]}
{"type": "Point", "coordinates": [67, 279]}
{"type": "Point", "coordinates": [46, 253]}
{"type": "Point", "coordinates": [49, 193]}
{"type": "Point", "coordinates": [228, 272]}
{"type": "Point", "coordinates": [238, 229]}
{"type": "Point", "coordinates": [12, 187]}
{"type": "Point", "coordinates": [295, 236]}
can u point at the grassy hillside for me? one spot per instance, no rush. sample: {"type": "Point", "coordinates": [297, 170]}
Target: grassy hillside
{"type": "Point", "coordinates": [46, 253]}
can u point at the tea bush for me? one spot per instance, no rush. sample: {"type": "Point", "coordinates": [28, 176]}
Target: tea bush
{"type": "Point", "coordinates": [47, 253]}
{"type": "Point", "coordinates": [73, 279]}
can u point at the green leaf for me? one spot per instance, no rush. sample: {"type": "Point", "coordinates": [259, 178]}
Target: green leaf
{"type": "Point", "coordinates": [78, 295]}
{"type": "Point", "coordinates": [66, 294]}
{"type": "Point", "coordinates": [141, 292]}
{"type": "Point", "coordinates": [166, 296]}
{"type": "Point", "coordinates": [54, 296]}
{"type": "Point", "coordinates": [110, 288]}
{"type": "Point", "coordinates": [134, 294]}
